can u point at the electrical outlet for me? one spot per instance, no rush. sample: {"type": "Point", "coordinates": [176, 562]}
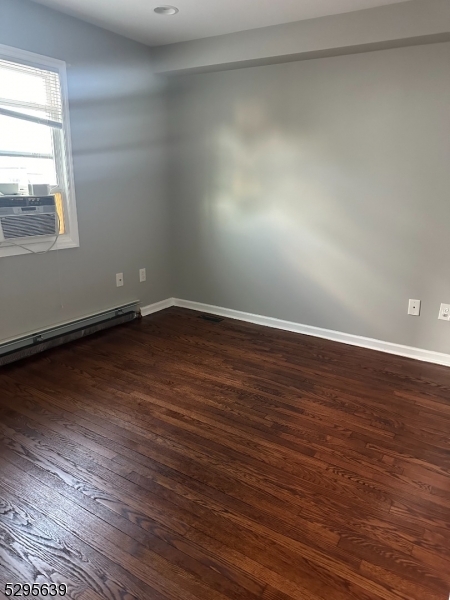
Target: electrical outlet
{"type": "Point", "coordinates": [414, 308]}
{"type": "Point", "coordinates": [142, 275]}
{"type": "Point", "coordinates": [119, 279]}
{"type": "Point", "coordinates": [444, 313]}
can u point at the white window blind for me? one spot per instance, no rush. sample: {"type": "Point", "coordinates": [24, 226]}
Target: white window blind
{"type": "Point", "coordinates": [30, 93]}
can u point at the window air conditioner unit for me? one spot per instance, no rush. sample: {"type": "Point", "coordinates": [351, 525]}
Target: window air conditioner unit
{"type": "Point", "coordinates": [27, 216]}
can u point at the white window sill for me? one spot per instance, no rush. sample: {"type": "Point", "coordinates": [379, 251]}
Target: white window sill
{"type": "Point", "coordinates": [42, 245]}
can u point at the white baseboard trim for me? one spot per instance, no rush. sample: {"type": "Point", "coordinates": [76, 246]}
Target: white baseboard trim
{"type": "Point", "coordinates": [345, 338]}
{"type": "Point", "coordinates": [157, 306]}
{"type": "Point", "coordinates": [430, 356]}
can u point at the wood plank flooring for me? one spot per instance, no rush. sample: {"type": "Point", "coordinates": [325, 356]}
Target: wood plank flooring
{"type": "Point", "coordinates": [178, 459]}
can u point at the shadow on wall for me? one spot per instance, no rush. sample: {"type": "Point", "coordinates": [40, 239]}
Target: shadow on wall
{"type": "Point", "coordinates": [119, 101]}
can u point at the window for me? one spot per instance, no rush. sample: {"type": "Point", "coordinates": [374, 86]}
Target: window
{"type": "Point", "coordinates": [35, 153]}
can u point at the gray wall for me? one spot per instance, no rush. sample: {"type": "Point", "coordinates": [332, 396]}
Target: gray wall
{"type": "Point", "coordinates": [118, 127]}
{"type": "Point", "coordinates": [318, 191]}
{"type": "Point", "coordinates": [312, 191]}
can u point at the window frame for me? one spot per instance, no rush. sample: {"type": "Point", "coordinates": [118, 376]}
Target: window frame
{"type": "Point", "coordinates": [69, 239]}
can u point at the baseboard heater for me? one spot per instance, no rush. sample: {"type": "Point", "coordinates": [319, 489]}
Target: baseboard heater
{"type": "Point", "coordinates": [56, 336]}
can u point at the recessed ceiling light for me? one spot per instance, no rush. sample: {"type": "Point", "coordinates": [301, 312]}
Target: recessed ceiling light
{"type": "Point", "coordinates": [166, 10]}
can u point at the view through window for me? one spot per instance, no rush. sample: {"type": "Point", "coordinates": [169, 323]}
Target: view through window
{"type": "Point", "coordinates": [32, 155]}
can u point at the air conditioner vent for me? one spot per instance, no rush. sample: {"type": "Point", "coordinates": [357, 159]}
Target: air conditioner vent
{"type": "Point", "coordinates": [28, 225]}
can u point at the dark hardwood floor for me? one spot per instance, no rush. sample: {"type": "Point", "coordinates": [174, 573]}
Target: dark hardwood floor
{"type": "Point", "coordinates": [176, 458]}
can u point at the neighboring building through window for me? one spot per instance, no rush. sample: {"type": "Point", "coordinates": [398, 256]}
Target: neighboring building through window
{"type": "Point", "coordinates": [35, 155]}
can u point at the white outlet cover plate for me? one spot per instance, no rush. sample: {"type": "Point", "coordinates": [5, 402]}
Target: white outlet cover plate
{"type": "Point", "coordinates": [444, 312]}
{"type": "Point", "coordinates": [414, 308]}
{"type": "Point", "coordinates": [142, 275]}
{"type": "Point", "coordinates": [119, 279]}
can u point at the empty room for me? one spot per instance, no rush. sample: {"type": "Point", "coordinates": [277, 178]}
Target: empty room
{"type": "Point", "coordinates": [225, 299]}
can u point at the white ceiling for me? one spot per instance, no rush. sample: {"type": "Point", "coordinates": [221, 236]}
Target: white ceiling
{"type": "Point", "coordinates": [200, 18]}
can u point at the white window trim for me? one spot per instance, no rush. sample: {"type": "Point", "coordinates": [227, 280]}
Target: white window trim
{"type": "Point", "coordinates": [71, 238]}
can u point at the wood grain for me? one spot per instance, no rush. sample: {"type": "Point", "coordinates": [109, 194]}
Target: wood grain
{"type": "Point", "coordinates": [177, 458]}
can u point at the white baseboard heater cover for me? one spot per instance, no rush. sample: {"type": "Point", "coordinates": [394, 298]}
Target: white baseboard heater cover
{"type": "Point", "coordinates": [56, 336]}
